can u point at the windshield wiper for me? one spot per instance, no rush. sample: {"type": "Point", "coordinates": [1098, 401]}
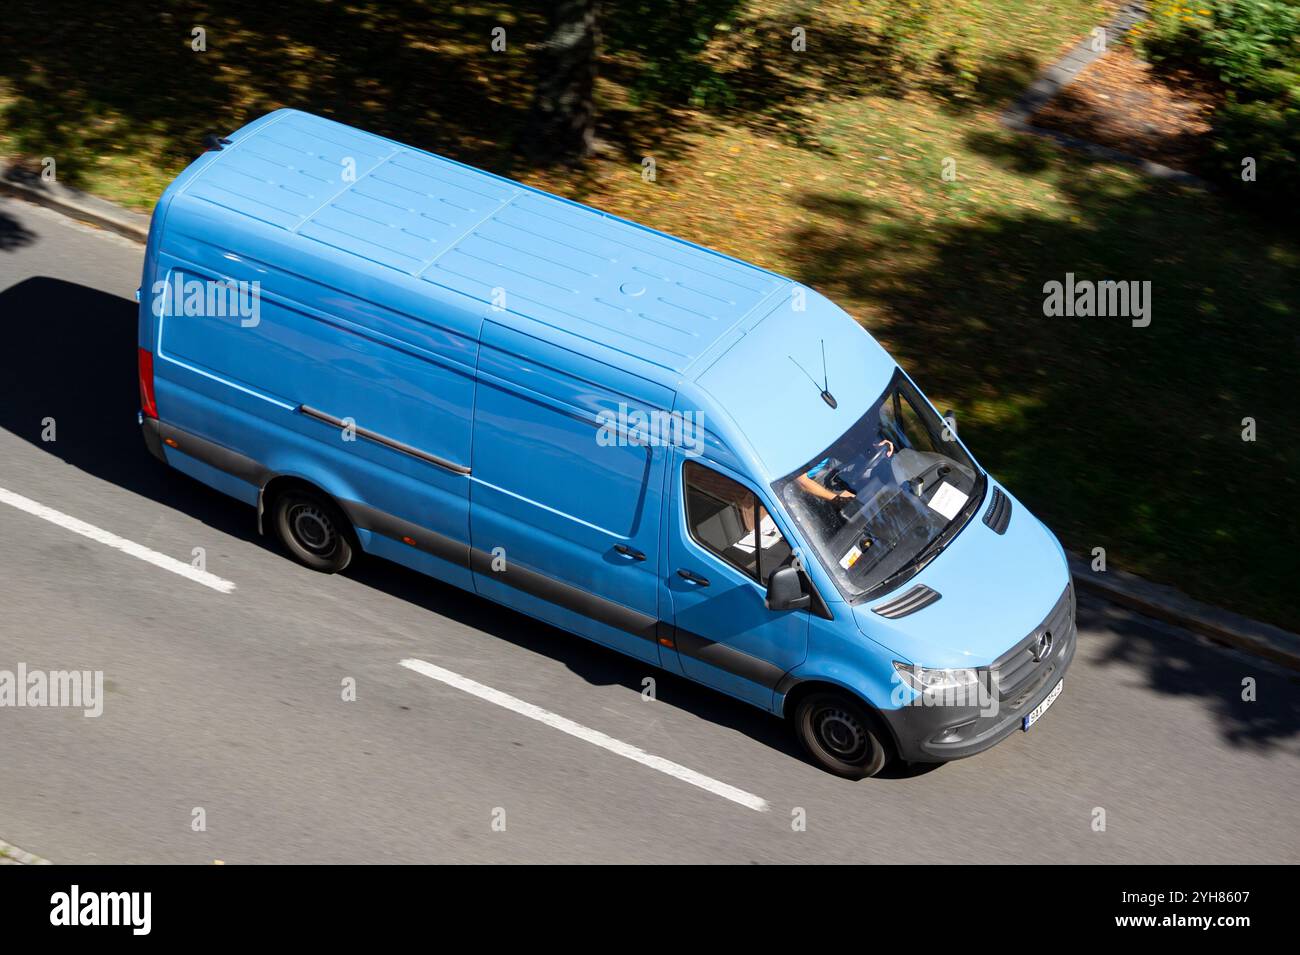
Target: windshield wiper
{"type": "Point", "coordinates": [923, 556]}
{"type": "Point", "coordinates": [918, 561]}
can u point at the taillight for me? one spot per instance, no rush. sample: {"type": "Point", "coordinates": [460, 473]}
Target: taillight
{"type": "Point", "coordinates": [145, 364]}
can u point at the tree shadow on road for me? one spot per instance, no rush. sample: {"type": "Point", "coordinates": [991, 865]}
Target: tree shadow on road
{"type": "Point", "coordinates": [1176, 663]}
{"type": "Point", "coordinates": [13, 234]}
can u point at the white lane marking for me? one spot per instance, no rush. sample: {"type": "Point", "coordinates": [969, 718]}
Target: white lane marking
{"type": "Point", "coordinates": [71, 523]}
{"type": "Point", "coordinates": [12, 855]}
{"type": "Point", "coordinates": [595, 737]}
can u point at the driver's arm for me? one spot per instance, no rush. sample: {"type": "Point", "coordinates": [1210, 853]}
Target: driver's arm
{"type": "Point", "coordinates": [809, 486]}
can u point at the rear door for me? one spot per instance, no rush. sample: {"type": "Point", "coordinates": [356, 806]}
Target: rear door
{"type": "Point", "coordinates": [723, 544]}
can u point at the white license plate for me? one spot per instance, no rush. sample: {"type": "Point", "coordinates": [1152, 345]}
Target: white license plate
{"type": "Point", "coordinates": [1032, 717]}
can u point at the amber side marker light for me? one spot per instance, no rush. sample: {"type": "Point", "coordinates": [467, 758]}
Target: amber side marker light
{"type": "Point", "coordinates": [409, 540]}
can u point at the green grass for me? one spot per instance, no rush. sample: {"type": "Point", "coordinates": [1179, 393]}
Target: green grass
{"type": "Point", "coordinates": [826, 166]}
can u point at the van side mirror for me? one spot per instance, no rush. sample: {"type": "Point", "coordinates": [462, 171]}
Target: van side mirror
{"type": "Point", "coordinates": [785, 590]}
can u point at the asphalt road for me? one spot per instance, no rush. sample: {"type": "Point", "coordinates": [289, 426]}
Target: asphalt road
{"type": "Point", "coordinates": [232, 702]}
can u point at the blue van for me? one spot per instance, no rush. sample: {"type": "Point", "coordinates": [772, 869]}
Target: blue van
{"type": "Point", "coordinates": [692, 460]}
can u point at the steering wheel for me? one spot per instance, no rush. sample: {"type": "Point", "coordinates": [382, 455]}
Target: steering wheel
{"type": "Point", "coordinates": [874, 459]}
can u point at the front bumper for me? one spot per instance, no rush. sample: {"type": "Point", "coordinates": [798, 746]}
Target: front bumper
{"type": "Point", "coordinates": [938, 733]}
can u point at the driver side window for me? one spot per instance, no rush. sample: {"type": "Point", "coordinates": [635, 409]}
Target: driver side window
{"type": "Point", "coordinates": [910, 425]}
{"type": "Point", "coordinates": [727, 519]}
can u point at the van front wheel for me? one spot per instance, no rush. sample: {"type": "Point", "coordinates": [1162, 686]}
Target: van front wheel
{"type": "Point", "coordinates": [312, 530]}
{"type": "Point", "coordinates": [839, 735]}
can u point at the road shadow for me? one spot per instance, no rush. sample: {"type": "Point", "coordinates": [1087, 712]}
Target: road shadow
{"type": "Point", "coordinates": [1175, 663]}
{"type": "Point", "coordinates": [13, 234]}
{"type": "Point", "coordinates": [70, 356]}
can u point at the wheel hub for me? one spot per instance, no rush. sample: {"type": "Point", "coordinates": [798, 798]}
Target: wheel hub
{"type": "Point", "coordinates": [842, 734]}
{"type": "Point", "coordinates": [313, 528]}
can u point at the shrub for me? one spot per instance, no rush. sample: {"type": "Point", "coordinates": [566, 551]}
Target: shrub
{"type": "Point", "coordinates": [1252, 49]}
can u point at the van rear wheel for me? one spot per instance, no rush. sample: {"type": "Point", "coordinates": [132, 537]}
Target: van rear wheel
{"type": "Point", "coordinates": [313, 530]}
{"type": "Point", "coordinates": [839, 735]}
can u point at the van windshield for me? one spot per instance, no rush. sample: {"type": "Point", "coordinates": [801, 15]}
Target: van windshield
{"type": "Point", "coordinates": [882, 501]}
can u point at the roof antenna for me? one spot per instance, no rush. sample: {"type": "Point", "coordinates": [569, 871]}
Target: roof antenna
{"type": "Point", "coordinates": [825, 386]}
{"type": "Point", "coordinates": [826, 381]}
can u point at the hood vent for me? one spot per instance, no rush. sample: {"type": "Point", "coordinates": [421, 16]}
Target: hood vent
{"type": "Point", "coordinates": [998, 516]}
{"type": "Point", "coordinates": [918, 598]}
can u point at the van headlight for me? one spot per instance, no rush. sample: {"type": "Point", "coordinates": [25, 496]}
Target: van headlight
{"type": "Point", "coordinates": [923, 679]}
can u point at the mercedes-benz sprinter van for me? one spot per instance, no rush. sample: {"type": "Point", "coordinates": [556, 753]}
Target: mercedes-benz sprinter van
{"type": "Point", "coordinates": [692, 460]}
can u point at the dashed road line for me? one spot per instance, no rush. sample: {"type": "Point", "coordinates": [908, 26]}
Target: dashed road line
{"type": "Point", "coordinates": [12, 855]}
{"type": "Point", "coordinates": [139, 551]}
{"type": "Point", "coordinates": [595, 737]}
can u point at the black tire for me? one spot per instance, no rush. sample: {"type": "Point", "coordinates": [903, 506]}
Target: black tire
{"type": "Point", "coordinates": [840, 735]}
{"type": "Point", "coordinates": [313, 530]}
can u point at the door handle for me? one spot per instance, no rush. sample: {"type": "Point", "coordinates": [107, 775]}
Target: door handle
{"type": "Point", "coordinates": [629, 552]}
{"type": "Point", "coordinates": [692, 577]}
